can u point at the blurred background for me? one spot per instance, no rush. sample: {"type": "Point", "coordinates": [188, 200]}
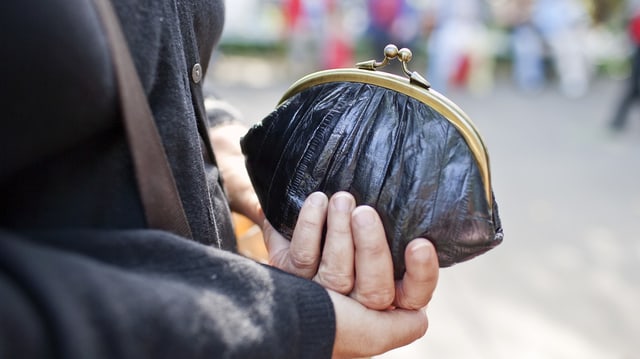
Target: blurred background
{"type": "Point", "coordinates": [552, 87]}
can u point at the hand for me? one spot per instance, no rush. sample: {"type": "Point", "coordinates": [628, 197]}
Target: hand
{"type": "Point", "coordinates": [355, 242]}
{"type": "Point", "coordinates": [363, 332]}
{"type": "Point", "coordinates": [355, 265]}
{"type": "Point", "coordinates": [242, 197]}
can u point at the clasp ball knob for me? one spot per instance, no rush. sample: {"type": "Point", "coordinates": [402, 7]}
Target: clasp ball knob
{"type": "Point", "coordinates": [390, 51]}
{"type": "Point", "coordinates": [405, 55]}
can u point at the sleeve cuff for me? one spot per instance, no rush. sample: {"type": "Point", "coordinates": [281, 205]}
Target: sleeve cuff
{"type": "Point", "coordinates": [316, 318]}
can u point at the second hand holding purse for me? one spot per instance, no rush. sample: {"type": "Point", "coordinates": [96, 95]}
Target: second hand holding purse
{"type": "Point", "coordinates": [394, 143]}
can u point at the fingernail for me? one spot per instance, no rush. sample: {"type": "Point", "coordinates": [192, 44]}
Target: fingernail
{"type": "Point", "coordinates": [419, 246]}
{"type": "Point", "coordinates": [364, 217]}
{"type": "Point", "coordinates": [420, 251]}
{"type": "Point", "coordinates": [317, 199]}
{"type": "Point", "coordinates": [342, 203]}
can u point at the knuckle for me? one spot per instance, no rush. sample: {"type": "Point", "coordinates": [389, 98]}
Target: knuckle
{"type": "Point", "coordinates": [276, 260]}
{"type": "Point", "coordinates": [338, 231]}
{"type": "Point", "coordinates": [339, 282]}
{"type": "Point", "coordinates": [412, 303]}
{"type": "Point", "coordinates": [378, 299]}
{"type": "Point", "coordinates": [309, 222]}
{"type": "Point", "coordinates": [414, 299]}
{"type": "Point", "coordinates": [304, 260]}
{"type": "Point", "coordinates": [374, 248]}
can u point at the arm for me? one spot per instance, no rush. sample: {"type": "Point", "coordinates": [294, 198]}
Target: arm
{"type": "Point", "coordinates": [148, 294]}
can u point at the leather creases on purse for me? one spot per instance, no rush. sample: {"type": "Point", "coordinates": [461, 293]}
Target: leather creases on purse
{"type": "Point", "coordinates": [391, 141]}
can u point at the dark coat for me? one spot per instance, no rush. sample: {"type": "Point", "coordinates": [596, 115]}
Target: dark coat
{"type": "Point", "coordinates": [80, 275]}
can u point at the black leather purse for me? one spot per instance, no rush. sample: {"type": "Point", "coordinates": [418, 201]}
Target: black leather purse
{"type": "Point", "coordinates": [394, 143]}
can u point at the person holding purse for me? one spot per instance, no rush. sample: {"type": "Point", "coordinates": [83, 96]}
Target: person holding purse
{"type": "Point", "coordinates": [85, 272]}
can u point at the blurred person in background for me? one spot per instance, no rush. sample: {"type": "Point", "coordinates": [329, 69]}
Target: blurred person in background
{"type": "Point", "coordinates": [563, 26]}
{"type": "Point", "coordinates": [631, 93]}
{"type": "Point", "coordinates": [526, 44]}
{"type": "Point", "coordinates": [459, 50]}
{"type": "Point", "coordinates": [337, 46]}
{"type": "Point", "coordinates": [305, 34]}
{"type": "Point", "coordinates": [391, 22]}
{"type": "Point", "coordinates": [547, 31]}
{"type": "Point", "coordinates": [382, 17]}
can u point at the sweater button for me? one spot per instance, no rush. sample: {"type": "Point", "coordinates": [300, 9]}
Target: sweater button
{"type": "Point", "coordinates": [196, 73]}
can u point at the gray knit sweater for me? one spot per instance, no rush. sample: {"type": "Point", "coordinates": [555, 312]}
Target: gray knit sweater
{"type": "Point", "coordinates": [80, 275]}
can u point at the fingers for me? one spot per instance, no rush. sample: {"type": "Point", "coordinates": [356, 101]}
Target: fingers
{"type": "Point", "coordinates": [416, 288]}
{"type": "Point", "coordinates": [374, 287]}
{"type": "Point", "coordinates": [250, 206]}
{"type": "Point", "coordinates": [336, 271]}
{"type": "Point", "coordinates": [304, 249]}
{"type": "Point", "coordinates": [362, 332]}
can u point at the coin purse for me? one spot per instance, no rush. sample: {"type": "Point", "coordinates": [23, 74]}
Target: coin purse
{"type": "Point", "coordinates": [394, 143]}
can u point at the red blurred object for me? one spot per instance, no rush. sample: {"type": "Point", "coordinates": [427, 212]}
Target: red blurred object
{"type": "Point", "coordinates": [338, 53]}
{"type": "Point", "coordinates": [634, 28]}
{"type": "Point", "coordinates": [461, 73]}
{"type": "Point", "coordinates": [384, 12]}
{"type": "Point", "coordinates": [292, 12]}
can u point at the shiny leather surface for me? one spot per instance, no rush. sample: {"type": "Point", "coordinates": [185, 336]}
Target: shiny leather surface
{"type": "Point", "coordinates": [390, 151]}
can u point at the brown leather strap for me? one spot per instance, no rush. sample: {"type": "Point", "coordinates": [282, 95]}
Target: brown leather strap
{"type": "Point", "coordinates": [157, 187]}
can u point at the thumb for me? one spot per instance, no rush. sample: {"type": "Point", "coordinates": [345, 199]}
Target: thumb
{"type": "Point", "coordinates": [363, 332]}
{"type": "Point", "coordinates": [277, 245]}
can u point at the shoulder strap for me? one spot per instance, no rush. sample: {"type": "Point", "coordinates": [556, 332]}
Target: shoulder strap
{"type": "Point", "coordinates": [158, 191]}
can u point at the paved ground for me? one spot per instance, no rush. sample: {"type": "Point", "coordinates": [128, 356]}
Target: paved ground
{"type": "Point", "coordinates": [566, 281]}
